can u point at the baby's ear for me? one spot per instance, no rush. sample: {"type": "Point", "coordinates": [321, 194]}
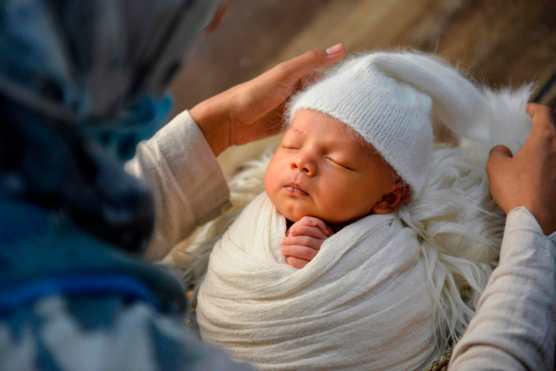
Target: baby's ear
{"type": "Point", "coordinates": [392, 201]}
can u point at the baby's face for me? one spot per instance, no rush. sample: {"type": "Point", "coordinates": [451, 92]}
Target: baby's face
{"type": "Point", "coordinates": [322, 169]}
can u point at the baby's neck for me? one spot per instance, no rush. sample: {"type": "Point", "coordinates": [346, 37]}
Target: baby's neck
{"type": "Point", "coordinates": [289, 223]}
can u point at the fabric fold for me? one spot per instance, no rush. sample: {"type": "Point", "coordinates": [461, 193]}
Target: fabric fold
{"type": "Point", "coordinates": [361, 303]}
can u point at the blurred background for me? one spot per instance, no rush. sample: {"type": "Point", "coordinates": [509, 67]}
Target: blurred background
{"type": "Point", "coordinates": [497, 42]}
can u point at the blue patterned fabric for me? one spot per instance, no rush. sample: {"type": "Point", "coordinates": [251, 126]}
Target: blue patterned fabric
{"type": "Point", "coordinates": [140, 122]}
{"type": "Point", "coordinates": [44, 254]}
{"type": "Point", "coordinates": [68, 300]}
{"type": "Point", "coordinates": [81, 82]}
{"type": "Point", "coordinates": [99, 64]}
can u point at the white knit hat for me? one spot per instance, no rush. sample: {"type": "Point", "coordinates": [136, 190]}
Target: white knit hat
{"type": "Point", "coordinates": [390, 100]}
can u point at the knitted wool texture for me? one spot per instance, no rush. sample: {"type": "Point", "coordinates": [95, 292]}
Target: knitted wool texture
{"type": "Point", "coordinates": [390, 99]}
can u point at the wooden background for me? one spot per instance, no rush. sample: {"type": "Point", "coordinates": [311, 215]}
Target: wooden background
{"type": "Point", "coordinates": [498, 42]}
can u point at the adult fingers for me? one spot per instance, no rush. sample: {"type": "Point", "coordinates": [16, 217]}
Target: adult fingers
{"type": "Point", "coordinates": [295, 262]}
{"type": "Point", "coordinates": [299, 252]}
{"type": "Point", "coordinates": [302, 66]}
{"type": "Point", "coordinates": [305, 81]}
{"type": "Point", "coordinates": [541, 118]}
{"type": "Point", "coordinates": [498, 158]}
{"type": "Point", "coordinates": [310, 79]}
{"type": "Point", "coordinates": [273, 122]}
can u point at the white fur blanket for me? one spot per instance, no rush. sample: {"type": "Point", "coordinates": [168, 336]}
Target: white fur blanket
{"type": "Point", "coordinates": [360, 304]}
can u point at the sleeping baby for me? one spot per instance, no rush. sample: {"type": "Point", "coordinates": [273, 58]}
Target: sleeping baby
{"type": "Point", "coordinates": [357, 255]}
{"type": "Point", "coordinates": [325, 171]}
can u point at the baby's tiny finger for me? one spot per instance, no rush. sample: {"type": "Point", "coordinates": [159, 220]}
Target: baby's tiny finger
{"type": "Point", "coordinates": [316, 222]}
{"type": "Point", "coordinates": [299, 252]}
{"type": "Point", "coordinates": [311, 242]}
{"type": "Point", "coordinates": [307, 230]}
{"type": "Point", "coordinates": [296, 263]}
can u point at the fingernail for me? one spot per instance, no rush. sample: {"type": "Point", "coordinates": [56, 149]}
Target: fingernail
{"type": "Point", "coordinates": [335, 49]}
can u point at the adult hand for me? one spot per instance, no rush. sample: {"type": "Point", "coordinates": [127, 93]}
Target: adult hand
{"type": "Point", "coordinates": [303, 241]}
{"type": "Point", "coordinates": [254, 109]}
{"type": "Point", "coordinates": [528, 178]}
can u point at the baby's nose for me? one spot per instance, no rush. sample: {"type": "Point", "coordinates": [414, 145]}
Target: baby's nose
{"type": "Point", "coordinates": [305, 166]}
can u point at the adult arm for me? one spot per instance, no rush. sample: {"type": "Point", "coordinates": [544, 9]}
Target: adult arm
{"type": "Point", "coordinates": [514, 328]}
{"type": "Point", "coordinates": [188, 187]}
{"type": "Point", "coordinates": [179, 162]}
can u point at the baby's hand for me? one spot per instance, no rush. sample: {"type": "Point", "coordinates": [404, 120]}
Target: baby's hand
{"type": "Point", "coordinates": [303, 241]}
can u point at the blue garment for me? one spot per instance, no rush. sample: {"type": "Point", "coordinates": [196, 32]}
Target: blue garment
{"type": "Point", "coordinates": [140, 122]}
{"type": "Point", "coordinates": [44, 254]}
{"type": "Point", "coordinates": [88, 62]}
{"type": "Point", "coordinates": [81, 82]}
{"type": "Point", "coordinates": [60, 287]}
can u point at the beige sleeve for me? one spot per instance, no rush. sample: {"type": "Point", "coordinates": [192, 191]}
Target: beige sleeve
{"type": "Point", "coordinates": [189, 188]}
{"type": "Point", "coordinates": [514, 328]}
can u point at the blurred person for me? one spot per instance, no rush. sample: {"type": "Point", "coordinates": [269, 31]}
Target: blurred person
{"type": "Point", "coordinates": [80, 84]}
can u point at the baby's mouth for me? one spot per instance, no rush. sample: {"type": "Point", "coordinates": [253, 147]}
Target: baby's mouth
{"type": "Point", "coordinates": [293, 189]}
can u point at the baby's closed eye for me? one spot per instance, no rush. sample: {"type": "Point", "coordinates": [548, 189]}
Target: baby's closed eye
{"type": "Point", "coordinates": [339, 163]}
{"type": "Point", "coordinates": [289, 146]}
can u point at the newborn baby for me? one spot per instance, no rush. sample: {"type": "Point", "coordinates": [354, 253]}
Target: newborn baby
{"type": "Point", "coordinates": [325, 171]}
{"type": "Point", "coordinates": [378, 293]}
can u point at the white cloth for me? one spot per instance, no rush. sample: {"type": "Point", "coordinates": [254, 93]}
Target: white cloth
{"type": "Point", "coordinates": [360, 304]}
{"type": "Point", "coordinates": [188, 186]}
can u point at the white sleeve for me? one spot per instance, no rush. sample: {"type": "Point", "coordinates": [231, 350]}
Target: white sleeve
{"type": "Point", "coordinates": [188, 186]}
{"type": "Point", "coordinates": [514, 327]}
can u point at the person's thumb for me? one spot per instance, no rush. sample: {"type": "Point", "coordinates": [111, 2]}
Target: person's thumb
{"type": "Point", "coordinates": [498, 156]}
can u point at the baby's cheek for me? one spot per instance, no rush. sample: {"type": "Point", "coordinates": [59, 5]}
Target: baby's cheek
{"type": "Point", "coordinates": [272, 184]}
{"type": "Point", "coordinates": [271, 179]}
{"type": "Point", "coordinates": [341, 201]}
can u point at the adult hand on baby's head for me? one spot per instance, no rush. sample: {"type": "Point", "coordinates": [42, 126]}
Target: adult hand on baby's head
{"type": "Point", "coordinates": [253, 110]}
{"type": "Point", "coordinates": [528, 178]}
{"type": "Point", "coordinates": [303, 241]}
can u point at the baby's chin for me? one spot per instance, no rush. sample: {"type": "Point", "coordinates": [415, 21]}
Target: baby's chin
{"type": "Point", "coordinates": [292, 213]}
{"type": "Point", "coordinates": [294, 210]}
{"type": "Point", "coordinates": [291, 210]}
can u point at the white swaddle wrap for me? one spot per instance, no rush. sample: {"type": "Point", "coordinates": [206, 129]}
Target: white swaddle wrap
{"type": "Point", "coordinates": [360, 304]}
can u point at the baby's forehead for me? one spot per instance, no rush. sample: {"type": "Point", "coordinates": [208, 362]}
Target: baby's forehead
{"type": "Point", "coordinates": [313, 123]}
